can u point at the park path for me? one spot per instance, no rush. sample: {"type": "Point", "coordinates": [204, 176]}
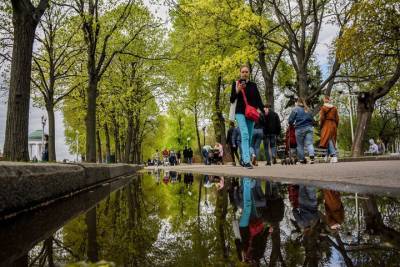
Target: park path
{"type": "Point", "coordinates": [365, 176]}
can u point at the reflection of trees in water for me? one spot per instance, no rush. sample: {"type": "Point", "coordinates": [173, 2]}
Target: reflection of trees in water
{"type": "Point", "coordinates": [124, 228]}
{"type": "Point", "coordinates": [146, 223]}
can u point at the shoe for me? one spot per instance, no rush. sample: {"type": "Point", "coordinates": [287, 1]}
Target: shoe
{"type": "Point", "coordinates": [254, 160]}
{"type": "Point", "coordinates": [234, 163]}
{"type": "Point", "coordinates": [312, 160]}
{"type": "Point", "coordinates": [326, 158]}
{"type": "Point", "coordinates": [274, 161]}
{"type": "Point", "coordinates": [334, 159]}
{"type": "Point", "coordinates": [304, 161]}
{"type": "Point", "coordinates": [241, 163]}
{"type": "Point", "coordinates": [268, 164]}
{"type": "Point", "coordinates": [248, 166]}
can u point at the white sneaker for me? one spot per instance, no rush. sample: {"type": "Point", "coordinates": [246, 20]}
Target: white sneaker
{"type": "Point", "coordinates": [326, 158]}
{"type": "Point", "coordinates": [334, 160]}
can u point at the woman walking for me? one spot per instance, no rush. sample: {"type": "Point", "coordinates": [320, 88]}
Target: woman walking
{"type": "Point", "coordinates": [244, 91]}
{"type": "Point", "coordinates": [329, 121]}
{"type": "Point", "coordinates": [302, 119]}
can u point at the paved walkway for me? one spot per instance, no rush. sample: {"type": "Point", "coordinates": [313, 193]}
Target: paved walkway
{"type": "Point", "coordinates": [366, 176]}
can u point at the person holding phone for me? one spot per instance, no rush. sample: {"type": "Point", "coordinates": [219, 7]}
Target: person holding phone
{"type": "Point", "coordinates": [248, 89]}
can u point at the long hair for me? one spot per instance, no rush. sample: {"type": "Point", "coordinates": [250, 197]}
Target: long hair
{"type": "Point", "coordinates": [302, 102]}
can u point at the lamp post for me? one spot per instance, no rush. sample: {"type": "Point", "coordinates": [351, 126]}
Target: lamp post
{"type": "Point", "coordinates": [77, 146]}
{"type": "Point", "coordinates": [44, 119]}
{"type": "Point", "coordinates": [204, 135]}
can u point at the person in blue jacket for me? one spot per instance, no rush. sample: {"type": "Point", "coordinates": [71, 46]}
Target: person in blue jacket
{"type": "Point", "coordinates": [302, 119]}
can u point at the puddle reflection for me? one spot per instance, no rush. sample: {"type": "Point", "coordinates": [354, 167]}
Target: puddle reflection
{"type": "Point", "coordinates": [176, 219]}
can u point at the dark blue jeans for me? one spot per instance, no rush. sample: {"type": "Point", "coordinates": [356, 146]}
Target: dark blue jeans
{"type": "Point", "coordinates": [256, 141]}
{"type": "Point", "coordinates": [305, 136]}
{"type": "Point", "coordinates": [270, 143]}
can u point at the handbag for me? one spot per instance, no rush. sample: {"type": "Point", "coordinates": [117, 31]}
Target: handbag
{"type": "Point", "coordinates": [250, 112]}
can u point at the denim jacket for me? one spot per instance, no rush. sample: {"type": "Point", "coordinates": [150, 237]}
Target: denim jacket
{"type": "Point", "coordinates": [300, 118]}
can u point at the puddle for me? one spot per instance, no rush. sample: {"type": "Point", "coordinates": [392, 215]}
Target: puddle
{"type": "Point", "coordinates": [177, 219]}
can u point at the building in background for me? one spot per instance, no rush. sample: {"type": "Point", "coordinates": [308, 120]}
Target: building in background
{"type": "Point", "coordinates": [35, 145]}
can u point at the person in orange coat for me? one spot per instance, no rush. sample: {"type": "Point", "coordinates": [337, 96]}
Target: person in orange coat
{"type": "Point", "coordinates": [329, 121]}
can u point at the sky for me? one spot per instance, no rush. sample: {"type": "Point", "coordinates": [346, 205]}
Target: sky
{"type": "Point", "coordinates": [327, 34]}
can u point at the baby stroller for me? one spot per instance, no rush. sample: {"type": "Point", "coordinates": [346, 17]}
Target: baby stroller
{"type": "Point", "coordinates": [290, 147]}
{"type": "Point", "coordinates": [214, 158]}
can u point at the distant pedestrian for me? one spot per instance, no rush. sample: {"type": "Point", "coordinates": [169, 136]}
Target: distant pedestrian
{"type": "Point", "coordinates": [206, 150]}
{"type": "Point", "coordinates": [303, 121]}
{"type": "Point", "coordinates": [373, 147]}
{"type": "Point", "coordinates": [178, 156]}
{"type": "Point", "coordinates": [272, 129]}
{"type": "Point", "coordinates": [381, 146]}
{"type": "Point", "coordinates": [185, 155]}
{"type": "Point", "coordinates": [190, 155]}
{"type": "Point", "coordinates": [232, 142]}
{"type": "Point", "coordinates": [329, 122]}
{"type": "Point", "coordinates": [258, 136]}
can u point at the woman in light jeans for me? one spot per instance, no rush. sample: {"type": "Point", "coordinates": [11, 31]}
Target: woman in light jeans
{"type": "Point", "coordinates": [303, 121]}
{"type": "Point", "coordinates": [246, 126]}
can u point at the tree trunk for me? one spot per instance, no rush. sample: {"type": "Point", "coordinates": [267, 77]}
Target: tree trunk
{"type": "Point", "coordinates": [128, 140]}
{"type": "Point", "coordinates": [99, 154]}
{"type": "Point", "coordinates": [196, 125]}
{"type": "Point", "coordinates": [365, 108]}
{"type": "Point", "coordinates": [117, 151]}
{"type": "Point", "coordinates": [92, 247]}
{"type": "Point", "coordinates": [302, 83]}
{"type": "Point", "coordinates": [52, 135]}
{"type": "Point", "coordinates": [16, 138]}
{"type": "Point", "coordinates": [91, 118]}
{"type": "Point", "coordinates": [218, 118]}
{"type": "Point", "coordinates": [268, 80]}
{"type": "Point", "coordinates": [108, 147]}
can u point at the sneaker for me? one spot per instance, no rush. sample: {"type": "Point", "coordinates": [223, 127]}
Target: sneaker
{"type": "Point", "coordinates": [334, 159]}
{"type": "Point", "coordinates": [312, 160]}
{"type": "Point", "coordinates": [304, 161]}
{"type": "Point", "coordinates": [268, 164]}
{"type": "Point", "coordinates": [274, 161]}
{"type": "Point", "coordinates": [241, 163]}
{"type": "Point", "coordinates": [326, 158]}
{"type": "Point", "coordinates": [248, 166]}
{"type": "Point", "coordinates": [254, 160]}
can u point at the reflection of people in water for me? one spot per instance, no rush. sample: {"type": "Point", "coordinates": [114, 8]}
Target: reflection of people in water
{"type": "Point", "coordinates": [251, 238]}
{"type": "Point", "coordinates": [273, 214]}
{"type": "Point", "coordinates": [305, 211]}
{"type": "Point", "coordinates": [210, 181]}
{"type": "Point", "coordinates": [334, 209]}
{"type": "Point", "coordinates": [173, 176]}
{"type": "Point", "coordinates": [188, 179]}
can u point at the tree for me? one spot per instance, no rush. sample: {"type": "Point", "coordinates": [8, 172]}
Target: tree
{"type": "Point", "coordinates": [98, 31]}
{"type": "Point", "coordinates": [371, 45]}
{"type": "Point", "coordinates": [54, 64]}
{"type": "Point", "coordinates": [301, 22]}
{"type": "Point", "coordinates": [26, 17]}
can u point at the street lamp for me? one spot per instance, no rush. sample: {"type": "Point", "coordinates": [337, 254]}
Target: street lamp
{"type": "Point", "coordinates": [44, 119]}
{"type": "Point", "coordinates": [204, 135]}
{"type": "Point", "coordinates": [77, 146]}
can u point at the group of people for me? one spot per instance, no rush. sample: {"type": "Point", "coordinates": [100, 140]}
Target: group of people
{"type": "Point", "coordinates": [213, 154]}
{"type": "Point", "coordinates": [258, 122]}
{"type": "Point", "coordinates": [258, 213]}
{"type": "Point", "coordinates": [170, 157]}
